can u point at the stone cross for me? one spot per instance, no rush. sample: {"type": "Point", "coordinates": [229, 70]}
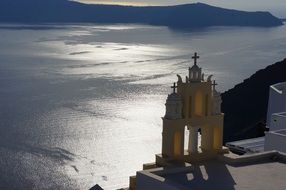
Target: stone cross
{"type": "Point", "coordinates": [195, 58]}
{"type": "Point", "coordinates": [174, 87]}
{"type": "Point", "coordinates": [214, 84]}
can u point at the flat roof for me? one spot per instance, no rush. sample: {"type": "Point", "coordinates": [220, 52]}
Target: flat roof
{"type": "Point", "coordinates": [219, 175]}
{"type": "Point", "coordinates": [248, 145]}
{"type": "Point", "coordinates": [260, 171]}
{"type": "Point", "coordinates": [279, 87]}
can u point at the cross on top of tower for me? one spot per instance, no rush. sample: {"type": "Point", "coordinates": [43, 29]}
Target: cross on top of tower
{"type": "Point", "coordinates": [214, 84]}
{"type": "Point", "coordinates": [195, 58]}
{"type": "Point", "coordinates": [174, 87]}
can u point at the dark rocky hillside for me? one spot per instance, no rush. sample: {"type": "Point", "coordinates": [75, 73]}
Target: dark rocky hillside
{"type": "Point", "coordinates": [245, 105]}
{"type": "Point", "coordinates": [180, 16]}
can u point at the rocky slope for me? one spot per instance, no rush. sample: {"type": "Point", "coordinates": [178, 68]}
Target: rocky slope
{"type": "Point", "coordinates": [245, 105]}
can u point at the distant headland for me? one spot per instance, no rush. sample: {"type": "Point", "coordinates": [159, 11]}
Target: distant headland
{"type": "Point", "coordinates": [179, 16]}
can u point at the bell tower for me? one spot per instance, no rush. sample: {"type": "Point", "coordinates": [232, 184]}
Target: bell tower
{"type": "Point", "coordinates": [195, 104]}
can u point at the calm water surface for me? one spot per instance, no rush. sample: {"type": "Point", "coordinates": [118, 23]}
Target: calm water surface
{"type": "Point", "coordinates": [81, 104]}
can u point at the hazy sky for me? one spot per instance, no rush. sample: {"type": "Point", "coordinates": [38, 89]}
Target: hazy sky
{"type": "Point", "coordinates": [277, 7]}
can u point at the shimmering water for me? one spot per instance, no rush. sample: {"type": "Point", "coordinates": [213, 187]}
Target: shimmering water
{"type": "Point", "coordinates": [81, 104]}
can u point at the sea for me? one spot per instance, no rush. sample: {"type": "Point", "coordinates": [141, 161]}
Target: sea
{"type": "Point", "coordinates": [81, 104]}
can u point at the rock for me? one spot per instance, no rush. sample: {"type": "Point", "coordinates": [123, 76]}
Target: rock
{"type": "Point", "coordinates": [245, 105]}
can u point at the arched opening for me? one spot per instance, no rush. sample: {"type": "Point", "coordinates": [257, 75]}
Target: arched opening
{"type": "Point", "coordinates": [199, 103]}
{"type": "Point", "coordinates": [177, 144]}
{"type": "Point", "coordinates": [186, 141]}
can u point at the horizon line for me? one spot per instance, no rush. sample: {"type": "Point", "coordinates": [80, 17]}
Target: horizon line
{"type": "Point", "coordinates": [136, 4]}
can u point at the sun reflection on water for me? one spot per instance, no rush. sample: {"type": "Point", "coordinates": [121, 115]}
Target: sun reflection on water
{"type": "Point", "coordinates": [86, 101]}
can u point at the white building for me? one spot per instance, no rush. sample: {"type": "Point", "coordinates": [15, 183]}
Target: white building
{"type": "Point", "coordinates": [276, 103]}
{"type": "Point", "coordinates": [275, 139]}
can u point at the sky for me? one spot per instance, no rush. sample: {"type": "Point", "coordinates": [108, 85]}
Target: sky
{"type": "Point", "coordinates": [276, 7]}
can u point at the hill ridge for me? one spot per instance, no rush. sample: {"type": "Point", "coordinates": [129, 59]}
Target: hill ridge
{"type": "Point", "coordinates": [177, 16]}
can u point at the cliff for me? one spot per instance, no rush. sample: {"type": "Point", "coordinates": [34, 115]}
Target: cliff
{"type": "Point", "coordinates": [245, 105]}
{"type": "Point", "coordinates": [180, 16]}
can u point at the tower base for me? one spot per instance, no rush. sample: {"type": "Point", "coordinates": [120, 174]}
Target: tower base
{"type": "Point", "coordinates": [200, 156]}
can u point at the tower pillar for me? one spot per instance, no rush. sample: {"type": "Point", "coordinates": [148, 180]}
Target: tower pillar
{"type": "Point", "coordinates": [207, 138]}
{"type": "Point", "coordinates": [193, 140]}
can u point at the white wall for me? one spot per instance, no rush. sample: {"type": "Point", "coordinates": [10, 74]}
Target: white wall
{"type": "Point", "coordinates": [277, 101]}
{"type": "Point", "coordinates": [275, 141]}
{"type": "Point", "coordinates": [278, 121]}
